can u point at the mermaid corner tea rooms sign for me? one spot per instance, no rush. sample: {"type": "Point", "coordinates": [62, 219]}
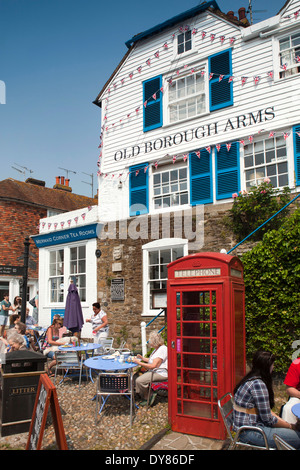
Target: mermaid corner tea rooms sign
{"type": "Point", "coordinates": [67, 236]}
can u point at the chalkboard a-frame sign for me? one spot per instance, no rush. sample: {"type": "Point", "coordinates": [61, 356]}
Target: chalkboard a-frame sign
{"type": "Point", "coordinates": [46, 396]}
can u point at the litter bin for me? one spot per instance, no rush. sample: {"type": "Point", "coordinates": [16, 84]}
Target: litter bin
{"type": "Point", "coordinates": [20, 374]}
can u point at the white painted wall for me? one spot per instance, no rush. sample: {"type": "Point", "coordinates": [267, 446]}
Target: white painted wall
{"type": "Point", "coordinates": [254, 53]}
{"type": "Point", "coordinates": [84, 217]}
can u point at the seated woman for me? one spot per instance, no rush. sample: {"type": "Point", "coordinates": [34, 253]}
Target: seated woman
{"type": "Point", "coordinates": [157, 363]}
{"type": "Point", "coordinates": [14, 342]}
{"type": "Point", "coordinates": [52, 341]}
{"type": "Point", "coordinates": [253, 400]}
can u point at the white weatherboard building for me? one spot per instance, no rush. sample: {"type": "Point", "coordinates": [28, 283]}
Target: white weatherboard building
{"type": "Point", "coordinates": [201, 107]}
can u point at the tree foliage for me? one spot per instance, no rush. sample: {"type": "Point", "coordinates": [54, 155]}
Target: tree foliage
{"type": "Point", "coordinates": [272, 285]}
{"type": "Point", "coordinates": [252, 208]}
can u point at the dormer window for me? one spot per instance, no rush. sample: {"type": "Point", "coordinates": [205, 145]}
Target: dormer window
{"type": "Point", "coordinates": [184, 42]}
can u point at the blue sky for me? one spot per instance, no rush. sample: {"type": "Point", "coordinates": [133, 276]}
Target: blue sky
{"type": "Point", "coordinates": [55, 56]}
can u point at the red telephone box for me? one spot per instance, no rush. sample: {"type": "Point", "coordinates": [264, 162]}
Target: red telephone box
{"type": "Point", "coordinates": [206, 339]}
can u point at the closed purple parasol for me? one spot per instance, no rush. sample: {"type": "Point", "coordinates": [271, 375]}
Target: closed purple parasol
{"type": "Point", "coordinates": [73, 319]}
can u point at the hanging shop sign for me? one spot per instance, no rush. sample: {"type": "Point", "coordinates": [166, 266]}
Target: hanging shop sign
{"type": "Point", "coordinates": [11, 270]}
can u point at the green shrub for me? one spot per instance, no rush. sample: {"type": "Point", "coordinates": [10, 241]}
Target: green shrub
{"type": "Point", "coordinates": [272, 286]}
{"type": "Point", "coordinates": [253, 208]}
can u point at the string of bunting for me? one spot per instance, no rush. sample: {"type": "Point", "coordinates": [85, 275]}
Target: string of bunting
{"type": "Point", "coordinates": [230, 78]}
{"type": "Point", "coordinates": [184, 156]}
{"type": "Point", "coordinates": [195, 31]}
{"type": "Point", "coordinates": [193, 70]}
{"type": "Point", "coordinates": [62, 223]}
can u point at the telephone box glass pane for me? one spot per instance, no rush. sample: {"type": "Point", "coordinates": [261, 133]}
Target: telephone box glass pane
{"type": "Point", "coordinates": [202, 410]}
{"type": "Point", "coordinates": [195, 313]}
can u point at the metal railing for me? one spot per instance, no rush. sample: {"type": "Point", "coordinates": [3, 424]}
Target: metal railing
{"type": "Point", "coordinates": [143, 331]}
{"type": "Point", "coordinates": [270, 218]}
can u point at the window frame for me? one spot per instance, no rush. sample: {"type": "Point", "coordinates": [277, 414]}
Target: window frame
{"type": "Point", "coordinates": [282, 74]}
{"type": "Point", "coordinates": [177, 101]}
{"type": "Point", "coordinates": [58, 277]}
{"type": "Point", "coordinates": [184, 42]}
{"type": "Point", "coordinates": [164, 169]}
{"type": "Point", "coordinates": [78, 275]}
{"type": "Point", "coordinates": [264, 165]}
{"type": "Point", "coordinates": [66, 275]}
{"type": "Point", "coordinates": [161, 244]}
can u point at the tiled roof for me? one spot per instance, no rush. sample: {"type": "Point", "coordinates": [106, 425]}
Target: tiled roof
{"type": "Point", "coordinates": [40, 196]}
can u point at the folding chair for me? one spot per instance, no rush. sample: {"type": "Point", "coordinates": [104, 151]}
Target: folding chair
{"type": "Point", "coordinates": [39, 339]}
{"type": "Point", "coordinates": [226, 411]}
{"type": "Point", "coordinates": [156, 386]}
{"type": "Point", "coordinates": [106, 345]}
{"type": "Point", "coordinates": [281, 444]}
{"type": "Point", "coordinates": [114, 384]}
{"type": "Point", "coordinates": [70, 361]}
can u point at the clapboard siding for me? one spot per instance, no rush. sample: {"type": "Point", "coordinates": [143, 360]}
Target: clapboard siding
{"type": "Point", "coordinates": [250, 58]}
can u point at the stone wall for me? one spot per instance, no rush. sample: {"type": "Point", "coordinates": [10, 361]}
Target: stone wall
{"type": "Point", "coordinates": [122, 258]}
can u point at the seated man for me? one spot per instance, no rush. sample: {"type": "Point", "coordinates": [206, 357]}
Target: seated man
{"type": "Point", "coordinates": [292, 382]}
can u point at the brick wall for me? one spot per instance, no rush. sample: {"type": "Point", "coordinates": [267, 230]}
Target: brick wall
{"type": "Point", "coordinates": [17, 222]}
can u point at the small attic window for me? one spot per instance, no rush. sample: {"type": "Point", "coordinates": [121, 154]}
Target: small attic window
{"type": "Point", "coordinates": [184, 42]}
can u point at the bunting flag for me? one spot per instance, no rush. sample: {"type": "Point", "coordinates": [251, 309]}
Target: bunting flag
{"type": "Point", "coordinates": [244, 79]}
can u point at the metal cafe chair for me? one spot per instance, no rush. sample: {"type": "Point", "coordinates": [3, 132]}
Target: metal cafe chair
{"type": "Point", "coordinates": [106, 345]}
{"type": "Point", "coordinates": [114, 383]}
{"type": "Point", "coordinates": [226, 411]}
{"type": "Point", "coordinates": [156, 386]}
{"type": "Point", "coordinates": [70, 361]}
{"type": "Point", "coordinates": [281, 444]}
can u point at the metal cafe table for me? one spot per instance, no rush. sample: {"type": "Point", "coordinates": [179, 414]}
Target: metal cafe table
{"type": "Point", "coordinates": [296, 410]}
{"type": "Point", "coordinates": [114, 378]}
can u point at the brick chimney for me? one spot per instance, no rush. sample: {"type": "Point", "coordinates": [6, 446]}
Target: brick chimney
{"type": "Point", "coordinates": [62, 184]}
{"type": "Point", "coordinates": [242, 16]}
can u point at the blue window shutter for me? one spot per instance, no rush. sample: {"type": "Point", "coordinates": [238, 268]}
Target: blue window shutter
{"type": "Point", "coordinates": [138, 190]}
{"type": "Point", "coordinates": [297, 153]}
{"type": "Point", "coordinates": [227, 171]}
{"type": "Point", "coordinates": [200, 178]}
{"type": "Point", "coordinates": [152, 105]}
{"type": "Point", "coordinates": [220, 92]}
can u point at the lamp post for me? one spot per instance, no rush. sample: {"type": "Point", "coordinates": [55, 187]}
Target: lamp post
{"type": "Point", "coordinates": [25, 277]}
